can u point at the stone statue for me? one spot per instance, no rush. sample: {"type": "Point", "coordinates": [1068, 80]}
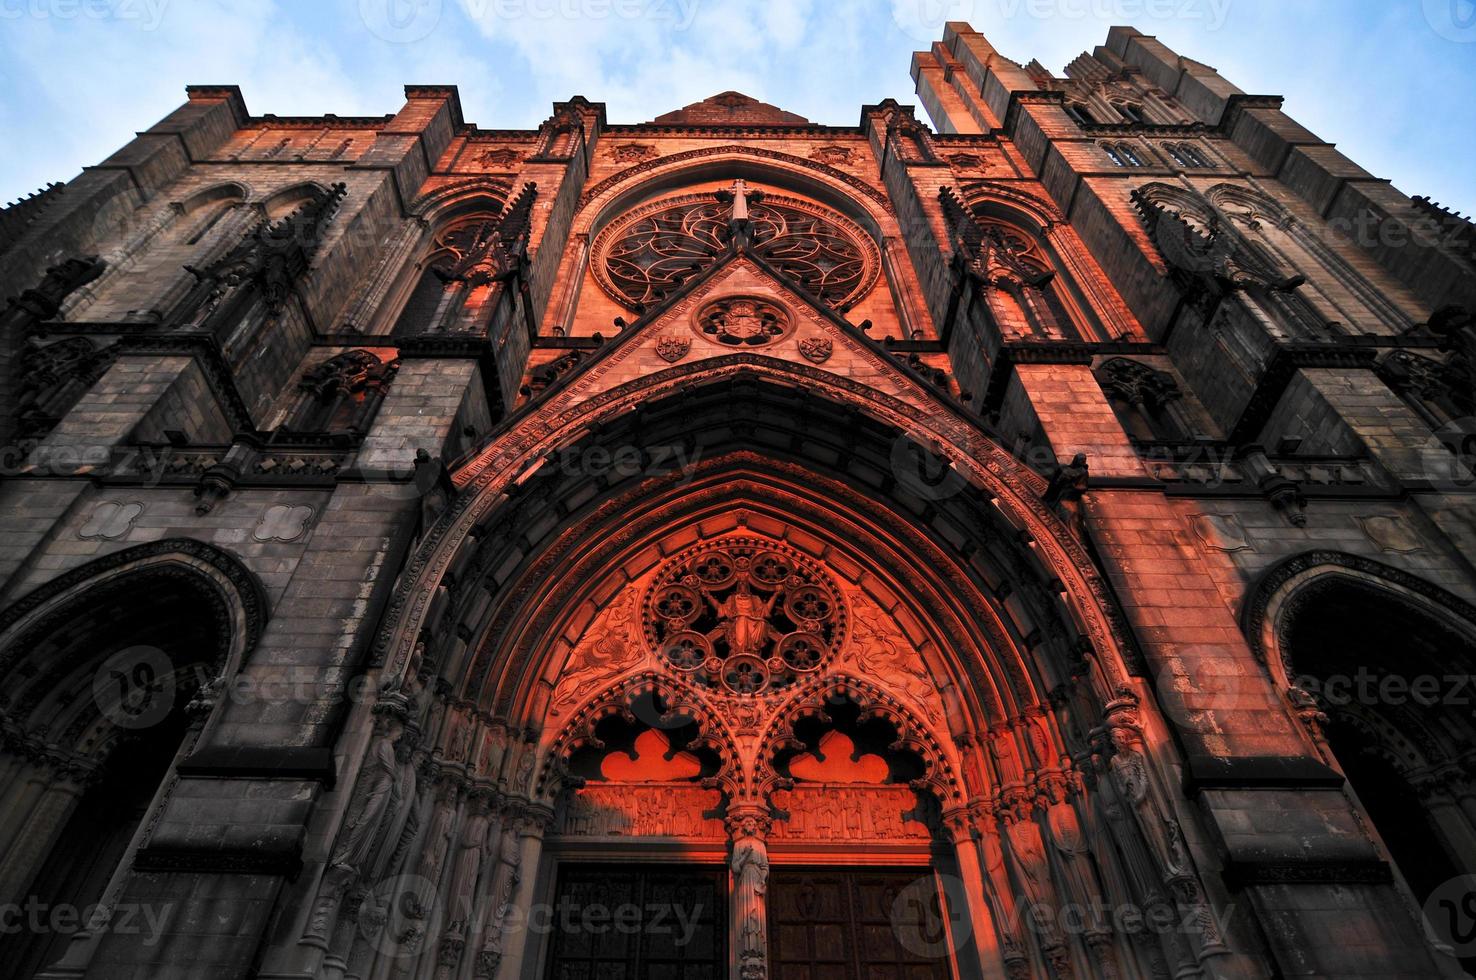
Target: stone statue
{"type": "Point", "coordinates": [750, 866]}
{"type": "Point", "coordinates": [744, 619]}
{"type": "Point", "coordinates": [374, 795]}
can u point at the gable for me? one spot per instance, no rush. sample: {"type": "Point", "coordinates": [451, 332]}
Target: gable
{"type": "Point", "coordinates": [683, 334]}
{"type": "Point", "coordinates": [730, 109]}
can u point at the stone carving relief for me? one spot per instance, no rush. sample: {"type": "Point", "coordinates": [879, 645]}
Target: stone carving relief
{"type": "Point", "coordinates": [743, 615]}
{"type": "Point", "coordinates": [610, 647]}
{"type": "Point", "coordinates": [832, 154]}
{"type": "Point", "coordinates": [673, 349]}
{"type": "Point", "coordinates": [837, 812]}
{"type": "Point", "coordinates": [632, 152]}
{"type": "Point", "coordinates": [743, 321]}
{"type": "Point", "coordinates": [110, 521]}
{"type": "Point", "coordinates": [881, 651]}
{"type": "Point", "coordinates": [641, 810]}
{"type": "Point", "coordinates": [816, 349]}
{"type": "Point", "coordinates": [499, 157]}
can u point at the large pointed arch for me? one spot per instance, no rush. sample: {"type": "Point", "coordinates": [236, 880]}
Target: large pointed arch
{"type": "Point", "coordinates": [975, 462]}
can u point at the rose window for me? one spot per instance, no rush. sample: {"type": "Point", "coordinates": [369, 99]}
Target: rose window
{"type": "Point", "coordinates": [744, 615]}
{"type": "Point", "coordinates": [645, 256]}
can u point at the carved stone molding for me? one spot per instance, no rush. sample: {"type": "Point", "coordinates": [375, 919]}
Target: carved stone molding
{"type": "Point", "coordinates": [1272, 583]}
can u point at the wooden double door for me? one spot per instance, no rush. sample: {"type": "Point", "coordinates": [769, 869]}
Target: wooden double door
{"type": "Point", "coordinates": [833, 924]}
{"type": "Point", "coordinates": [670, 922]}
{"type": "Point", "coordinates": [619, 922]}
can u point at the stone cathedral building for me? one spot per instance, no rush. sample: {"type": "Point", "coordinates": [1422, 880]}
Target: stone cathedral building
{"type": "Point", "coordinates": [1034, 543]}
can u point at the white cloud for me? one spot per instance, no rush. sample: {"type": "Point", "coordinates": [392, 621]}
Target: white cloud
{"type": "Point", "coordinates": [77, 89]}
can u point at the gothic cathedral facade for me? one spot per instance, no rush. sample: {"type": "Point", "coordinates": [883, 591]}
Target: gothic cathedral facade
{"type": "Point", "coordinates": [1037, 543]}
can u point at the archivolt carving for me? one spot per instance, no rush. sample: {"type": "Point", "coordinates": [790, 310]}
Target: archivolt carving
{"type": "Point", "coordinates": [1262, 620]}
{"type": "Point", "coordinates": [675, 160]}
{"type": "Point", "coordinates": [235, 584]}
{"type": "Point", "coordinates": [577, 407]}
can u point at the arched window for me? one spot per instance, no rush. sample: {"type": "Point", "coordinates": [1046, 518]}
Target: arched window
{"type": "Point", "coordinates": [97, 705]}
{"type": "Point", "coordinates": [1123, 154]}
{"type": "Point", "coordinates": [145, 276]}
{"type": "Point", "coordinates": [196, 226]}
{"type": "Point", "coordinates": [457, 278]}
{"type": "Point", "coordinates": [1146, 401]}
{"type": "Point", "coordinates": [1079, 113]}
{"type": "Point", "coordinates": [1432, 388]}
{"type": "Point", "coordinates": [1324, 294]}
{"type": "Point", "coordinates": [1342, 640]}
{"type": "Point", "coordinates": [1131, 111]}
{"type": "Point", "coordinates": [340, 394]}
{"type": "Point", "coordinates": [1025, 295]}
{"type": "Point", "coordinates": [1186, 156]}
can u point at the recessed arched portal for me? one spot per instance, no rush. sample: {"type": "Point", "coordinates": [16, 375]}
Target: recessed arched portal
{"type": "Point", "coordinates": [853, 648]}
{"type": "Point", "coordinates": [1380, 665]}
{"type": "Point", "coordinates": [102, 667]}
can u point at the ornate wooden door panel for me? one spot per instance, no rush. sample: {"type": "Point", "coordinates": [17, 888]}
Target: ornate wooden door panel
{"type": "Point", "coordinates": [679, 932]}
{"type": "Point", "coordinates": [840, 925]}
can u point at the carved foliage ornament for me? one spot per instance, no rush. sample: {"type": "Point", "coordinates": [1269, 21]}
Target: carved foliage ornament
{"type": "Point", "coordinates": [645, 256]}
{"type": "Point", "coordinates": [633, 152]}
{"type": "Point", "coordinates": [744, 616]}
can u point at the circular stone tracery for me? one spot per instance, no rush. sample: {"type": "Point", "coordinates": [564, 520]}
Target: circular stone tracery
{"type": "Point", "coordinates": [743, 321]}
{"type": "Point", "coordinates": [644, 256]}
{"type": "Point", "coordinates": [744, 615]}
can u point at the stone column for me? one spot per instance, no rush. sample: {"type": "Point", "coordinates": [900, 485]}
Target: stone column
{"type": "Point", "coordinates": [961, 833]}
{"type": "Point", "coordinates": [44, 824]}
{"type": "Point", "coordinates": [748, 899]}
{"type": "Point", "coordinates": [531, 826]}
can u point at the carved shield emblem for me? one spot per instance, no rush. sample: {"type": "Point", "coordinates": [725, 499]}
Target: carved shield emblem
{"type": "Point", "coordinates": [817, 349]}
{"type": "Point", "coordinates": [673, 349]}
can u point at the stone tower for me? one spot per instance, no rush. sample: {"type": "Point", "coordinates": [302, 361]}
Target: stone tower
{"type": "Point", "coordinates": [1034, 544]}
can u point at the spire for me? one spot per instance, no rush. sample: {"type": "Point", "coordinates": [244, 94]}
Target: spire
{"type": "Point", "coordinates": [740, 224]}
{"type": "Point", "coordinates": [517, 217]}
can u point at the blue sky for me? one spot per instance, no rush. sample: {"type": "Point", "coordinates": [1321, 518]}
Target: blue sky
{"type": "Point", "coordinates": [1393, 82]}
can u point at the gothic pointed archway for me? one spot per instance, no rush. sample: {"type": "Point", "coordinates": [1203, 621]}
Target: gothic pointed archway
{"type": "Point", "coordinates": [105, 666]}
{"type": "Point", "coordinates": [1378, 662]}
{"type": "Point", "coordinates": [753, 561]}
